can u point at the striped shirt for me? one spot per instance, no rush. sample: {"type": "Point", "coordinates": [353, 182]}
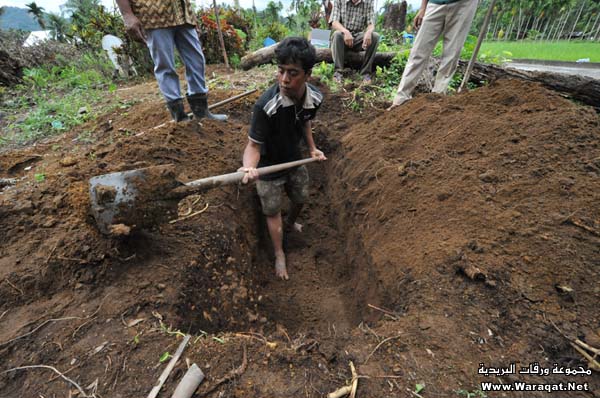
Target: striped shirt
{"type": "Point", "coordinates": [354, 17]}
{"type": "Point", "coordinates": [155, 14]}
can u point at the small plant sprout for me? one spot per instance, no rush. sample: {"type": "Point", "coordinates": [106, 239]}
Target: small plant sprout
{"type": "Point", "coordinates": [164, 356]}
{"type": "Point", "coordinates": [419, 387]}
{"type": "Point", "coordinates": [39, 177]}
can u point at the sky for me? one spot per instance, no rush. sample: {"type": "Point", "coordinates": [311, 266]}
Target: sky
{"type": "Point", "coordinates": [53, 6]}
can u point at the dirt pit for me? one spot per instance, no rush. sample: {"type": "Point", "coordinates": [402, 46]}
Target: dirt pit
{"type": "Point", "coordinates": [450, 232]}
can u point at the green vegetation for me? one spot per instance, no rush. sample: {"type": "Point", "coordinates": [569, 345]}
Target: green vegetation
{"type": "Point", "coordinates": [56, 98]}
{"type": "Point", "coordinates": [549, 20]}
{"type": "Point", "coordinates": [559, 51]}
{"type": "Point", "coordinates": [471, 394]}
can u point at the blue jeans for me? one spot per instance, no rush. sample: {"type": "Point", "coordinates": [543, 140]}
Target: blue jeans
{"type": "Point", "coordinates": [162, 43]}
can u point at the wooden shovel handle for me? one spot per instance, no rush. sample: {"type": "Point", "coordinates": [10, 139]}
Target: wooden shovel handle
{"type": "Point", "coordinates": [232, 178]}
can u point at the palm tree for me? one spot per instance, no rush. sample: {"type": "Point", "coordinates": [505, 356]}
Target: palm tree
{"type": "Point", "coordinates": [58, 25]}
{"type": "Point", "coordinates": [37, 12]}
{"type": "Point", "coordinates": [272, 10]}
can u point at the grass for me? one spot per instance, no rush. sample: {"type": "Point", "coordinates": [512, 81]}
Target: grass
{"type": "Point", "coordinates": [53, 99]}
{"type": "Point", "coordinates": [545, 50]}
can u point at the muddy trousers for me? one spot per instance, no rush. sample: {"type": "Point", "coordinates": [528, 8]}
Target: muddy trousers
{"type": "Point", "coordinates": [450, 21]}
{"type": "Point", "coordinates": [338, 50]}
{"type": "Point", "coordinates": [162, 44]}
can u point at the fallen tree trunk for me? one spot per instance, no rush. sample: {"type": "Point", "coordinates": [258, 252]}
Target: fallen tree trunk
{"type": "Point", "coordinates": [579, 88]}
{"type": "Point", "coordinates": [353, 59]}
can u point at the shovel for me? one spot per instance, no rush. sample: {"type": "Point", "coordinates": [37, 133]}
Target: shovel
{"type": "Point", "coordinates": [149, 196]}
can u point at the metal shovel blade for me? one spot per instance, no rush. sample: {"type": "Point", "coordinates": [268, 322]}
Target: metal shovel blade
{"type": "Point", "coordinates": [134, 198]}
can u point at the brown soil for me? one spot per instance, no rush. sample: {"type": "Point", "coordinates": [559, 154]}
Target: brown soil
{"type": "Point", "coordinates": [447, 233]}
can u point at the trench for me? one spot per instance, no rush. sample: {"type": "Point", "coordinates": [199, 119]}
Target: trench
{"type": "Point", "coordinates": [331, 276]}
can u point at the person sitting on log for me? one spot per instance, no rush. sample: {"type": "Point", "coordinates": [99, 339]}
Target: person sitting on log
{"type": "Point", "coordinates": [354, 25]}
{"type": "Point", "coordinates": [450, 19]}
{"type": "Point", "coordinates": [281, 119]}
{"type": "Point", "coordinates": [165, 25]}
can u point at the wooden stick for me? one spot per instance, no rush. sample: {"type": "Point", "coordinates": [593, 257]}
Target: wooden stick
{"type": "Point", "coordinates": [165, 374]}
{"type": "Point", "coordinates": [592, 363]}
{"type": "Point", "coordinates": [340, 392]}
{"type": "Point", "coordinates": [221, 41]}
{"type": "Point", "coordinates": [354, 380]}
{"type": "Point", "coordinates": [384, 311]}
{"type": "Point", "coordinates": [237, 372]}
{"type": "Point", "coordinates": [379, 345]}
{"type": "Point", "coordinates": [81, 391]}
{"type": "Point", "coordinates": [482, 32]}
{"type": "Point", "coordinates": [587, 347]}
{"type": "Point", "coordinates": [210, 107]}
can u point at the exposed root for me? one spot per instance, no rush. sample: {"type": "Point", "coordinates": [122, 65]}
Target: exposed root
{"type": "Point", "coordinates": [77, 386]}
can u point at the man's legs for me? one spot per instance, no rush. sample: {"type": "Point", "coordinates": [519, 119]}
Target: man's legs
{"type": "Point", "coordinates": [338, 48]}
{"type": "Point", "coordinates": [275, 226]}
{"type": "Point", "coordinates": [161, 43]}
{"type": "Point", "coordinates": [458, 23]}
{"type": "Point", "coordinates": [296, 188]}
{"type": "Point", "coordinates": [427, 37]}
{"type": "Point", "coordinates": [270, 193]}
{"type": "Point", "coordinates": [188, 45]}
{"type": "Point", "coordinates": [370, 52]}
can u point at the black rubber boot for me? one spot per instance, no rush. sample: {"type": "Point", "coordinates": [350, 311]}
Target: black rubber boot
{"type": "Point", "coordinates": [177, 112]}
{"type": "Point", "coordinates": [199, 105]}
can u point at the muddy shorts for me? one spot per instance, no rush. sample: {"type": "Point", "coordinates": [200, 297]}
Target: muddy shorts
{"type": "Point", "coordinates": [270, 192]}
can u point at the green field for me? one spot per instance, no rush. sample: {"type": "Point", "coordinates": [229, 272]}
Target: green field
{"type": "Point", "coordinates": [555, 51]}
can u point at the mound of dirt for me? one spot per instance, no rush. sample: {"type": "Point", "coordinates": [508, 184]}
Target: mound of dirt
{"type": "Point", "coordinates": [447, 233]}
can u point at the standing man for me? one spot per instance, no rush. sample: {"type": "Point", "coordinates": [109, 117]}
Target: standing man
{"type": "Point", "coordinates": [281, 119]}
{"type": "Point", "coordinates": [165, 25]}
{"type": "Point", "coordinates": [354, 24]}
{"type": "Point", "coordinates": [450, 19]}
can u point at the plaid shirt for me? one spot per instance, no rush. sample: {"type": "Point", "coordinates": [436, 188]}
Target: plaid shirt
{"type": "Point", "coordinates": [354, 17]}
{"type": "Point", "coordinates": [154, 14]}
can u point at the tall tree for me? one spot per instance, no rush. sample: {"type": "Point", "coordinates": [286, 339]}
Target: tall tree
{"type": "Point", "coordinates": [37, 12]}
{"type": "Point", "coordinates": [58, 25]}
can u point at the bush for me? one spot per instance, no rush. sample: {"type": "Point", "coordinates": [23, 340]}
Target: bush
{"type": "Point", "coordinates": [275, 30]}
{"type": "Point", "coordinates": [209, 35]}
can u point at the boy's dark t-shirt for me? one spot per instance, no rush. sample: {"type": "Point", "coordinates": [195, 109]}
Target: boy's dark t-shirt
{"type": "Point", "coordinates": [277, 125]}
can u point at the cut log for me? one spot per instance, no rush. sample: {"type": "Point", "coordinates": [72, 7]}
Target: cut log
{"type": "Point", "coordinates": [353, 59]}
{"type": "Point", "coordinates": [580, 88]}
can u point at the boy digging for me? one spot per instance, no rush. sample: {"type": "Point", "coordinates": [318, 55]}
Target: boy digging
{"type": "Point", "coordinates": [281, 119]}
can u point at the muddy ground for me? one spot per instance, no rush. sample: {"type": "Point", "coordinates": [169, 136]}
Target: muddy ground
{"type": "Point", "coordinates": [447, 233]}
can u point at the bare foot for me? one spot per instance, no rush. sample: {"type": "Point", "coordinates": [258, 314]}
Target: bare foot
{"type": "Point", "coordinates": [295, 227]}
{"type": "Point", "coordinates": [280, 268]}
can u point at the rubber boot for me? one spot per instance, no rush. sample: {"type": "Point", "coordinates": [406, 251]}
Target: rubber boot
{"type": "Point", "coordinates": [199, 104]}
{"type": "Point", "coordinates": [177, 112]}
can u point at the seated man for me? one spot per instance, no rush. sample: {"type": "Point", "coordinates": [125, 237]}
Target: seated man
{"type": "Point", "coordinates": [280, 121]}
{"type": "Point", "coordinates": [353, 21]}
